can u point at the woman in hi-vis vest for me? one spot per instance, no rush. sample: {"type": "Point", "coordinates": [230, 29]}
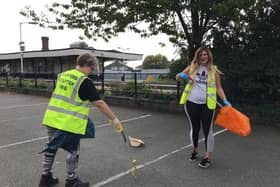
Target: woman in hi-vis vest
{"type": "Point", "coordinates": [199, 100]}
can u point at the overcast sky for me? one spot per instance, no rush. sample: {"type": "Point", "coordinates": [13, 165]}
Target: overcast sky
{"type": "Point", "coordinates": [31, 34]}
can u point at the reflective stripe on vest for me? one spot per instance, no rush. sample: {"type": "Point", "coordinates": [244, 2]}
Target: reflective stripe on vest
{"type": "Point", "coordinates": [61, 110]}
{"type": "Point", "coordinates": [66, 111]}
{"type": "Point", "coordinates": [211, 90]}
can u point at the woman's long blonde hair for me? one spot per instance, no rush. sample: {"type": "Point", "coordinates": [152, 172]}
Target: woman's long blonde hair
{"type": "Point", "coordinates": [195, 62]}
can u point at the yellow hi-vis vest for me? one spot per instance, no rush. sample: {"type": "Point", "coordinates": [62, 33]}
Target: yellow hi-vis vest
{"type": "Point", "coordinates": [66, 111]}
{"type": "Point", "coordinates": [211, 89]}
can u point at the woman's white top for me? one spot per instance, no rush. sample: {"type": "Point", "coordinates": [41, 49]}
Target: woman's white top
{"type": "Point", "coordinates": [199, 90]}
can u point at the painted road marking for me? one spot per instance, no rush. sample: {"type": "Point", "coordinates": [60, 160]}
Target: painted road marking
{"type": "Point", "coordinates": [119, 175]}
{"type": "Point", "coordinates": [20, 118]}
{"type": "Point", "coordinates": [45, 137]}
{"type": "Point", "coordinates": [29, 105]}
{"type": "Point", "coordinates": [19, 106]}
{"type": "Point", "coordinates": [126, 120]}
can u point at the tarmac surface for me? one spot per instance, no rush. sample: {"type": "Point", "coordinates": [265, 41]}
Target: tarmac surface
{"type": "Point", "coordinates": [163, 161]}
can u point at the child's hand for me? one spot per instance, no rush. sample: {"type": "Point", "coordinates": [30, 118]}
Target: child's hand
{"type": "Point", "coordinates": [117, 124]}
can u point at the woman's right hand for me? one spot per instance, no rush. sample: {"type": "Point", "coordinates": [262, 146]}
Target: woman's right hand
{"type": "Point", "coordinates": [184, 76]}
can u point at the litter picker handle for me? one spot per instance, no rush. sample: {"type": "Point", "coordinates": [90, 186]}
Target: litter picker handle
{"type": "Point", "coordinates": [124, 137]}
{"type": "Point", "coordinates": [121, 131]}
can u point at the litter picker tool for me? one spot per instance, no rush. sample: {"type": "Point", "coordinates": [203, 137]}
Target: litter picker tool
{"type": "Point", "coordinates": [132, 142]}
{"type": "Point", "coordinates": [133, 169]}
{"type": "Point", "coordinates": [124, 137]}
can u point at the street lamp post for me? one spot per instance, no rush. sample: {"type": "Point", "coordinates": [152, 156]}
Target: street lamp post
{"type": "Point", "coordinates": [21, 44]}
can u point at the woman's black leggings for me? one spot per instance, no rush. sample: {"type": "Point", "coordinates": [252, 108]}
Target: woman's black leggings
{"type": "Point", "coordinates": [199, 115]}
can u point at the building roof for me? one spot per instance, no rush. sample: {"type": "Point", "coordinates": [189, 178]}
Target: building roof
{"type": "Point", "coordinates": [139, 67]}
{"type": "Point", "coordinates": [118, 64]}
{"type": "Point", "coordinates": [107, 54]}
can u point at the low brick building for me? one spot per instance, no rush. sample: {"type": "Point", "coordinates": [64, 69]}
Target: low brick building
{"type": "Point", "coordinates": [55, 61]}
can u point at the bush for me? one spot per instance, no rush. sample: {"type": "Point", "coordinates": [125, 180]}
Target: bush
{"type": "Point", "coordinates": [143, 91]}
{"type": "Point", "coordinates": [176, 67]}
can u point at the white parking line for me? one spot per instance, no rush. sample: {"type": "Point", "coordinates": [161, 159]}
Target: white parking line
{"type": "Point", "coordinates": [45, 137]}
{"type": "Point", "coordinates": [126, 120]}
{"type": "Point", "coordinates": [19, 106]}
{"type": "Point", "coordinates": [119, 175]}
{"type": "Point", "coordinates": [20, 118]}
{"type": "Point", "coordinates": [22, 142]}
{"type": "Point", "coordinates": [29, 105]}
{"type": "Point", "coordinates": [26, 117]}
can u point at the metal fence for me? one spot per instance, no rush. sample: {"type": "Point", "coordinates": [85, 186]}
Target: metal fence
{"type": "Point", "coordinates": [135, 84]}
{"type": "Point", "coordinates": [150, 87]}
{"type": "Point", "coordinates": [131, 76]}
{"type": "Point", "coordinates": [28, 80]}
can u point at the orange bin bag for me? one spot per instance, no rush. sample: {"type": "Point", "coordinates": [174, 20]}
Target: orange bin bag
{"type": "Point", "coordinates": [233, 120]}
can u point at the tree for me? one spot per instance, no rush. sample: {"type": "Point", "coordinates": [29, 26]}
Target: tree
{"type": "Point", "coordinates": [249, 52]}
{"type": "Point", "coordinates": [177, 66]}
{"type": "Point", "coordinates": [186, 22]}
{"type": "Point", "coordinates": [155, 62]}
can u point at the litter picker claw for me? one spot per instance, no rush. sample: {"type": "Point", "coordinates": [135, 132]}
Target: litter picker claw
{"type": "Point", "coordinates": [132, 142]}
